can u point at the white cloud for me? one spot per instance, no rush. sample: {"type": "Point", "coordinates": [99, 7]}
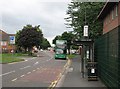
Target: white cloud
{"type": "Point", "coordinates": [49, 14]}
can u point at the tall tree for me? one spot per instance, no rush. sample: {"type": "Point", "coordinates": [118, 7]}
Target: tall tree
{"type": "Point", "coordinates": [28, 37]}
{"type": "Point", "coordinates": [69, 37]}
{"type": "Point", "coordinates": [84, 13]}
{"type": "Point", "coordinates": [45, 43]}
{"type": "Point", "coordinates": [56, 38]}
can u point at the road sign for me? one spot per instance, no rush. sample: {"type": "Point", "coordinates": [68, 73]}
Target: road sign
{"type": "Point", "coordinates": [12, 39]}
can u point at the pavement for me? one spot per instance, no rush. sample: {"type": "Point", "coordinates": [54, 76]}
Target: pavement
{"type": "Point", "coordinates": [72, 78]}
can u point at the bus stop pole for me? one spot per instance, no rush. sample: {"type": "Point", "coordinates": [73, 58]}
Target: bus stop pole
{"type": "Point", "coordinates": [82, 61]}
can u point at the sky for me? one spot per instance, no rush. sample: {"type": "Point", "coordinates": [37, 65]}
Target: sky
{"type": "Point", "coordinates": [49, 14]}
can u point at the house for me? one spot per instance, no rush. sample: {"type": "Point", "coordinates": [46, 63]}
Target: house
{"type": "Point", "coordinates": [107, 47]}
{"type": "Point", "coordinates": [110, 15]}
{"type": "Point", "coordinates": [5, 42]}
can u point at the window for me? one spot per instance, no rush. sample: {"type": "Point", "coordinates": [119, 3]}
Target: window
{"type": "Point", "coordinates": [113, 13]}
{"type": "Point", "coordinates": [3, 43]}
{"type": "Point", "coordinates": [116, 10]}
{"type": "Point", "coordinates": [106, 20]}
{"type": "Point", "coordinates": [109, 17]}
{"type": "Point", "coordinates": [59, 51]}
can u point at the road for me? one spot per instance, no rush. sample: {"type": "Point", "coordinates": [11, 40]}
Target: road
{"type": "Point", "coordinates": [34, 72]}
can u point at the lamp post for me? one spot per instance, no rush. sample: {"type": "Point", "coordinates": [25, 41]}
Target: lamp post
{"type": "Point", "coordinates": [85, 48]}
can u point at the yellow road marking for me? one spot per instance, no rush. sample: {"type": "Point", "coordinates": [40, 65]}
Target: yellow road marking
{"type": "Point", "coordinates": [54, 83]}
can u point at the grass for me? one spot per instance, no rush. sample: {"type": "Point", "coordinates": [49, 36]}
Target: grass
{"type": "Point", "coordinates": [70, 56]}
{"type": "Point", "coordinates": [9, 58]}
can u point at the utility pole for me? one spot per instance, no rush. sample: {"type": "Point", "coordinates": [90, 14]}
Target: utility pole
{"type": "Point", "coordinates": [85, 37]}
{"type": "Point", "coordinates": [12, 42]}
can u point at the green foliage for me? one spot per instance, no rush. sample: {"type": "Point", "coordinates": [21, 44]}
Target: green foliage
{"type": "Point", "coordinates": [75, 47]}
{"type": "Point", "coordinates": [45, 43]}
{"type": "Point", "coordinates": [71, 56]}
{"type": "Point", "coordinates": [28, 37]}
{"type": "Point", "coordinates": [64, 36]}
{"type": "Point", "coordinates": [85, 13]}
{"type": "Point", "coordinates": [56, 38]}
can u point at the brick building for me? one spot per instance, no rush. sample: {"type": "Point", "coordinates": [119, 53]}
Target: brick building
{"type": "Point", "coordinates": [107, 47]}
{"type": "Point", "coordinates": [5, 42]}
{"type": "Point", "coordinates": [110, 15]}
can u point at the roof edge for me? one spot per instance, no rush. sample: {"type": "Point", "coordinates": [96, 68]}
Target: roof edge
{"type": "Point", "coordinates": [107, 7]}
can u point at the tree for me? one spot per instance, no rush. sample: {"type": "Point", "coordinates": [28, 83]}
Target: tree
{"type": "Point", "coordinates": [28, 37]}
{"type": "Point", "coordinates": [45, 43]}
{"type": "Point", "coordinates": [84, 13]}
{"type": "Point", "coordinates": [69, 37]}
{"type": "Point", "coordinates": [56, 38]}
{"type": "Point", "coordinates": [16, 41]}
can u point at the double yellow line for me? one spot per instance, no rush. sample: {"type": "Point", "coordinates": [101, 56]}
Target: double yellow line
{"type": "Point", "coordinates": [54, 83]}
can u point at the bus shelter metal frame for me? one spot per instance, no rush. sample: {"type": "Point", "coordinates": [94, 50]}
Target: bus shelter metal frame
{"type": "Point", "coordinates": [87, 44]}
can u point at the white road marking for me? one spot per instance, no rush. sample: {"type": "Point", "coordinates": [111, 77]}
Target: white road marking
{"type": "Point", "coordinates": [51, 58]}
{"type": "Point", "coordinates": [7, 73]}
{"type": "Point", "coordinates": [36, 63]}
{"type": "Point", "coordinates": [26, 60]}
{"type": "Point", "coordinates": [28, 72]}
{"type": "Point", "coordinates": [34, 70]}
{"type": "Point", "coordinates": [25, 67]}
{"type": "Point", "coordinates": [14, 80]}
{"type": "Point", "coordinates": [47, 60]}
{"type": "Point", "coordinates": [38, 68]}
{"type": "Point", "coordinates": [22, 75]}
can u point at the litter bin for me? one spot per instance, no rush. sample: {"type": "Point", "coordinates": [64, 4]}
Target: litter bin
{"type": "Point", "coordinates": [92, 71]}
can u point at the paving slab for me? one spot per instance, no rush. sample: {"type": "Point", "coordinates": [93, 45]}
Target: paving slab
{"type": "Point", "coordinates": [73, 78]}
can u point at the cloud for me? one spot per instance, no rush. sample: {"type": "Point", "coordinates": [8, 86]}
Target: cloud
{"type": "Point", "coordinates": [49, 14]}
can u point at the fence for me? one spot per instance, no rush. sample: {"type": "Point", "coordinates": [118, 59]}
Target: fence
{"type": "Point", "coordinates": [107, 54]}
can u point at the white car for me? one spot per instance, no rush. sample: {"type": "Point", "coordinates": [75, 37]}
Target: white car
{"type": "Point", "coordinates": [41, 50]}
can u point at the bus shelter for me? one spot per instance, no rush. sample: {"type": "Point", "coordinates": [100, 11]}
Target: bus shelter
{"type": "Point", "coordinates": [88, 64]}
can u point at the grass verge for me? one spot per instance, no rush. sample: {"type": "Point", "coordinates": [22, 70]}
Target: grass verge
{"type": "Point", "coordinates": [70, 56]}
{"type": "Point", "coordinates": [9, 58]}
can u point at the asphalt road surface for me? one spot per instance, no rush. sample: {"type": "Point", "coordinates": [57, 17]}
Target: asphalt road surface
{"type": "Point", "coordinates": [34, 72]}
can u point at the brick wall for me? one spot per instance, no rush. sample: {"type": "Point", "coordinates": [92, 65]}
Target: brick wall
{"type": "Point", "coordinates": [110, 23]}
